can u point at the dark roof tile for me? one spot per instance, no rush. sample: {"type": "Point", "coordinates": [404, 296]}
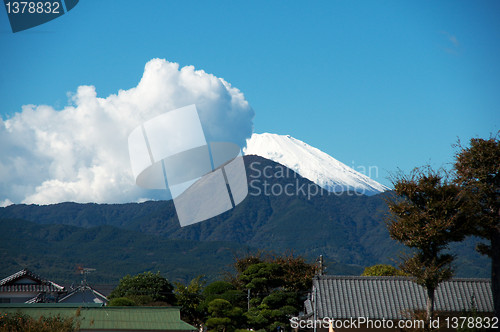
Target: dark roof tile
{"type": "Point", "coordinates": [30, 288]}
{"type": "Point", "coordinates": [392, 297]}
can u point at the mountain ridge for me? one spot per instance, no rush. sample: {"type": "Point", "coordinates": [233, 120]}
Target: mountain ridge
{"type": "Point", "coordinates": [345, 228]}
{"type": "Point", "coordinates": [55, 250]}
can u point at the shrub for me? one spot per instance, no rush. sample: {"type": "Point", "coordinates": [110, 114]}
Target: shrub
{"type": "Point", "coordinates": [20, 323]}
{"type": "Point", "coordinates": [121, 302]}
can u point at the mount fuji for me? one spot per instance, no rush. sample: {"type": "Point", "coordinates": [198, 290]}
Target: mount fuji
{"type": "Point", "coordinates": [311, 163]}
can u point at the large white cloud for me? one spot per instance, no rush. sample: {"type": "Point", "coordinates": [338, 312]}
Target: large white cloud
{"type": "Point", "coordinates": [80, 153]}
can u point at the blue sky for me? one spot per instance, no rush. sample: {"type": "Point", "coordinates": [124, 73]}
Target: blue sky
{"type": "Point", "coordinates": [391, 84]}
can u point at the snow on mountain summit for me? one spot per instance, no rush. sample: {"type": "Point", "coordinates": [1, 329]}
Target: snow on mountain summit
{"type": "Point", "coordinates": [311, 163]}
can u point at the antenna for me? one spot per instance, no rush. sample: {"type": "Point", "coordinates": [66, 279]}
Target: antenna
{"type": "Point", "coordinates": [84, 271]}
{"type": "Point", "coordinates": [320, 265]}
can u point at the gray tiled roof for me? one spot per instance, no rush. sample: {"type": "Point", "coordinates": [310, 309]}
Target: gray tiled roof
{"type": "Point", "coordinates": [90, 292]}
{"type": "Point", "coordinates": [392, 297]}
{"type": "Point", "coordinates": [45, 288]}
{"type": "Point", "coordinates": [17, 275]}
{"type": "Point", "coordinates": [9, 284]}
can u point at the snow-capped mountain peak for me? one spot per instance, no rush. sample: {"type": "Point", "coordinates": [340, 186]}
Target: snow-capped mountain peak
{"type": "Point", "coordinates": [311, 163]}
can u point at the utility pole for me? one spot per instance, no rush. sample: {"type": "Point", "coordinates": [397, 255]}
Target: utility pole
{"type": "Point", "coordinates": [248, 300]}
{"type": "Point", "coordinates": [314, 307]}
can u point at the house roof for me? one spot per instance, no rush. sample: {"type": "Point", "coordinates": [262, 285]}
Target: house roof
{"type": "Point", "coordinates": [44, 288]}
{"type": "Point", "coordinates": [98, 317]}
{"type": "Point", "coordinates": [12, 283]}
{"type": "Point", "coordinates": [341, 297]}
{"type": "Point", "coordinates": [88, 293]}
{"type": "Point", "coordinates": [22, 306]}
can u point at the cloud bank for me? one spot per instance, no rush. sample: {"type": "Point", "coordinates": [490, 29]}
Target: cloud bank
{"type": "Point", "coordinates": [80, 153]}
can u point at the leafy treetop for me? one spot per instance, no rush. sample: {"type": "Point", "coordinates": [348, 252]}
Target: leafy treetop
{"type": "Point", "coordinates": [145, 288]}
